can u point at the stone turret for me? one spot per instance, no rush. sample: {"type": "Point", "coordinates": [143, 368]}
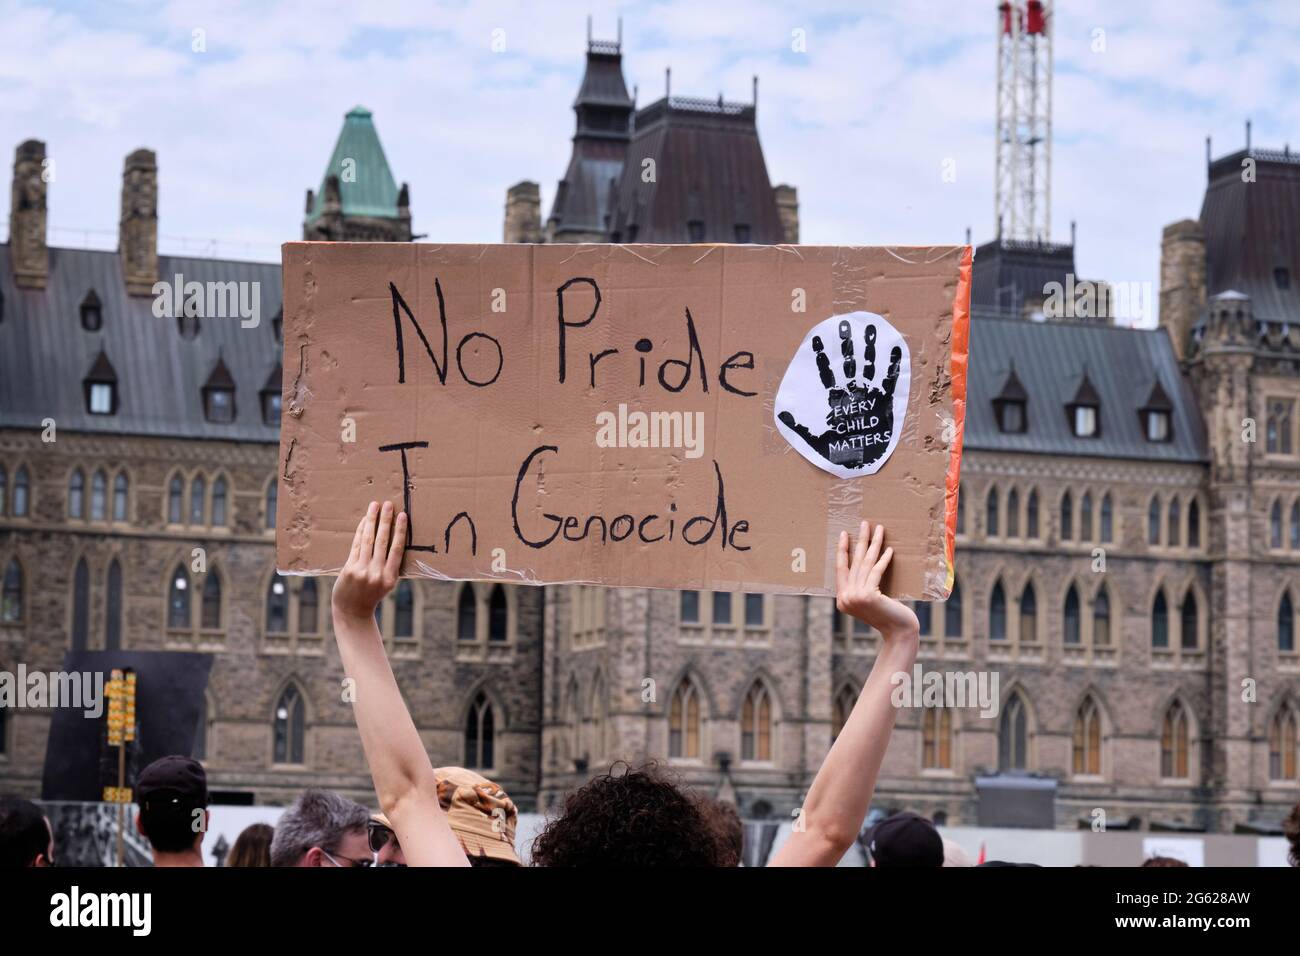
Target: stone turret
{"type": "Point", "coordinates": [523, 213]}
{"type": "Point", "coordinates": [27, 244]}
{"type": "Point", "coordinates": [787, 207]}
{"type": "Point", "coordinates": [1182, 281]}
{"type": "Point", "coordinates": [358, 199]}
{"type": "Point", "coordinates": [137, 240]}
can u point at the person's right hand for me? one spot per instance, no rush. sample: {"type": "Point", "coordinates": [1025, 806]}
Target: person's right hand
{"type": "Point", "coordinates": [857, 585]}
{"type": "Point", "coordinates": [373, 566]}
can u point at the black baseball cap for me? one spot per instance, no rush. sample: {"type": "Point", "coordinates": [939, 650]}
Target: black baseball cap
{"type": "Point", "coordinates": [905, 839]}
{"type": "Point", "coordinates": [175, 780]}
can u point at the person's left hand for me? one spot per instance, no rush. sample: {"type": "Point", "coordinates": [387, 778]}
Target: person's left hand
{"type": "Point", "coordinates": [857, 584]}
{"type": "Point", "coordinates": [374, 565]}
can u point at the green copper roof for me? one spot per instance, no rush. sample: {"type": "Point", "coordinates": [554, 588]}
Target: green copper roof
{"type": "Point", "coordinates": [365, 182]}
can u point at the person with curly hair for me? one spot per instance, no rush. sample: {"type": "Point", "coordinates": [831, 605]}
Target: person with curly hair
{"type": "Point", "coordinates": [637, 817]}
{"type": "Point", "coordinates": [727, 826]}
{"type": "Point", "coordinates": [631, 816]}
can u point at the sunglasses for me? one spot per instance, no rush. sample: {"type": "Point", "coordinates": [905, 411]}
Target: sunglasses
{"type": "Point", "coordinates": [379, 835]}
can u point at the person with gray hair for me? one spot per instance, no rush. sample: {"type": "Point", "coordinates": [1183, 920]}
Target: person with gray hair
{"type": "Point", "coordinates": [322, 828]}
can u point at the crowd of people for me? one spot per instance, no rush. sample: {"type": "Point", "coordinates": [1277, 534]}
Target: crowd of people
{"type": "Point", "coordinates": [451, 816]}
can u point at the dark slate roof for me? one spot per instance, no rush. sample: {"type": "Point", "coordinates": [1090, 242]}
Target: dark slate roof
{"type": "Point", "coordinates": [45, 354]}
{"type": "Point", "coordinates": [604, 125]}
{"type": "Point", "coordinates": [1007, 271]}
{"type": "Point", "coordinates": [582, 196]}
{"type": "Point", "coordinates": [102, 371]}
{"type": "Point", "coordinates": [1251, 229]}
{"type": "Point", "coordinates": [1158, 400]}
{"type": "Point", "coordinates": [709, 166]}
{"type": "Point", "coordinates": [1087, 392]}
{"type": "Point", "coordinates": [602, 82]}
{"type": "Point", "coordinates": [1052, 359]}
{"type": "Point", "coordinates": [373, 191]}
{"type": "Point", "coordinates": [220, 377]}
{"type": "Point", "coordinates": [1012, 390]}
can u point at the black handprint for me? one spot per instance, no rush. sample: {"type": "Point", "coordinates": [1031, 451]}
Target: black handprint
{"type": "Point", "coordinates": [860, 423]}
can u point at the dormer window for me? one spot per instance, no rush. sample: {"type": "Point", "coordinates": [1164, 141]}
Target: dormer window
{"type": "Point", "coordinates": [1010, 405]}
{"type": "Point", "coordinates": [1085, 421]}
{"type": "Point", "coordinates": [1282, 277]}
{"type": "Point", "coordinates": [219, 395]}
{"type": "Point", "coordinates": [1084, 410]}
{"type": "Point", "coordinates": [1011, 417]}
{"type": "Point", "coordinates": [1158, 428]}
{"type": "Point", "coordinates": [743, 232]}
{"type": "Point", "coordinates": [92, 314]}
{"type": "Point", "coordinates": [220, 405]}
{"type": "Point", "coordinates": [101, 399]}
{"type": "Point", "coordinates": [270, 396]}
{"type": "Point", "coordinates": [100, 387]}
{"type": "Point", "coordinates": [1156, 415]}
{"type": "Point", "coordinates": [695, 230]}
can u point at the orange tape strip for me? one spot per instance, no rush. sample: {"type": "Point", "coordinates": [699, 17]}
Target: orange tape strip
{"type": "Point", "coordinates": [960, 362]}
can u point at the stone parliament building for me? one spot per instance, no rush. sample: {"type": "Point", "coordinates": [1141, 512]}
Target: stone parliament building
{"type": "Point", "coordinates": [1128, 557]}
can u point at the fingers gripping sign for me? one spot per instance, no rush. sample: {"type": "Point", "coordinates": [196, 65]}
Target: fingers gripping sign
{"type": "Point", "coordinates": [851, 427]}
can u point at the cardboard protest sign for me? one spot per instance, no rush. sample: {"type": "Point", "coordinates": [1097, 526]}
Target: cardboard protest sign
{"type": "Point", "coordinates": [698, 416]}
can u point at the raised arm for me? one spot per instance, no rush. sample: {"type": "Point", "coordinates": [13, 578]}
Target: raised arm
{"type": "Point", "coordinates": [840, 794]}
{"type": "Point", "coordinates": [403, 775]}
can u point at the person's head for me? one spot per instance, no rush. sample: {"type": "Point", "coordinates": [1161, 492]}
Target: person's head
{"type": "Point", "coordinates": [1162, 861]}
{"type": "Point", "coordinates": [322, 828]}
{"type": "Point", "coordinates": [252, 846]}
{"type": "Point", "coordinates": [173, 796]}
{"type": "Point", "coordinates": [25, 835]}
{"type": "Point", "coordinates": [727, 829]}
{"type": "Point", "coordinates": [1291, 830]}
{"type": "Point", "coordinates": [905, 839]}
{"type": "Point", "coordinates": [479, 812]}
{"type": "Point", "coordinates": [631, 816]}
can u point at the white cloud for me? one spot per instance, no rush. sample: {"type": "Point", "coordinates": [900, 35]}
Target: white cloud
{"type": "Point", "coordinates": [861, 123]}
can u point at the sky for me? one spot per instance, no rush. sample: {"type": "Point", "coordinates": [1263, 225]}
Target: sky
{"type": "Point", "coordinates": [864, 116]}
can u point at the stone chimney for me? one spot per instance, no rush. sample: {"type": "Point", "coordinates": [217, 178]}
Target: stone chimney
{"type": "Point", "coordinates": [137, 238]}
{"type": "Point", "coordinates": [787, 207]}
{"type": "Point", "coordinates": [27, 245]}
{"type": "Point", "coordinates": [523, 213]}
{"type": "Point", "coordinates": [1182, 281]}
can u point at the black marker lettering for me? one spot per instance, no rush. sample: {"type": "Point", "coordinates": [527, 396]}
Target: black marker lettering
{"type": "Point", "coordinates": [564, 326]}
{"type": "Point", "coordinates": [640, 530]}
{"type": "Point", "coordinates": [473, 533]}
{"type": "Point", "coordinates": [692, 352]}
{"type": "Point", "coordinates": [523, 470]}
{"type": "Point", "coordinates": [399, 306]}
{"type": "Point", "coordinates": [406, 492]}
{"type": "Point", "coordinates": [732, 363]}
{"type": "Point", "coordinates": [596, 358]}
{"type": "Point", "coordinates": [461, 365]}
{"type": "Point", "coordinates": [613, 528]}
{"type": "Point", "coordinates": [719, 514]}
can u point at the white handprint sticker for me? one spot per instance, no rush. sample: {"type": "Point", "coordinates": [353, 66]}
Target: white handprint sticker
{"type": "Point", "coordinates": [848, 426]}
